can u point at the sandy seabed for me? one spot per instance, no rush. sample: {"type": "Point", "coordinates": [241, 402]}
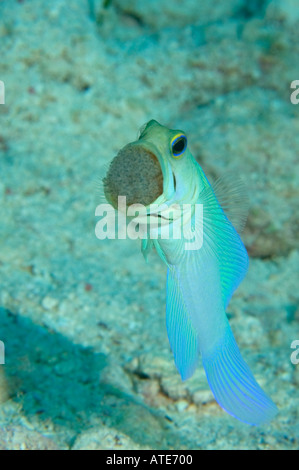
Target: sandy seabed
{"type": "Point", "coordinates": [88, 364]}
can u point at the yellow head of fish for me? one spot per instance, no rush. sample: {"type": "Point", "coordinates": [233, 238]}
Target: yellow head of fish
{"type": "Point", "coordinates": [156, 168]}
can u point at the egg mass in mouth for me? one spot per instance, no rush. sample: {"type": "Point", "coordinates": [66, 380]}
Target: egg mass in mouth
{"type": "Point", "coordinates": [135, 173]}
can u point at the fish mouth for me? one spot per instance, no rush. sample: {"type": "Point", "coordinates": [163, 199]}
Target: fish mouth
{"type": "Point", "coordinates": [135, 173]}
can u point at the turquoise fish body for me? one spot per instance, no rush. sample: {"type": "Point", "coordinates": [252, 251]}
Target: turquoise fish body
{"type": "Point", "coordinates": [200, 283]}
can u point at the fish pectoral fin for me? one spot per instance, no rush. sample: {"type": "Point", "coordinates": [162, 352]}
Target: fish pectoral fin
{"type": "Point", "coordinates": [233, 384]}
{"type": "Point", "coordinates": [232, 196]}
{"type": "Point", "coordinates": [181, 334]}
{"type": "Point", "coordinates": [146, 247]}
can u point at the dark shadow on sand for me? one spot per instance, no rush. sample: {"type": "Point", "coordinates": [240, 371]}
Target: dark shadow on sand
{"type": "Point", "coordinates": [54, 379]}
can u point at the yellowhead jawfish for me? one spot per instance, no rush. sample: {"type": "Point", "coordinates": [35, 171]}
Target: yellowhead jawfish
{"type": "Point", "coordinates": [158, 171]}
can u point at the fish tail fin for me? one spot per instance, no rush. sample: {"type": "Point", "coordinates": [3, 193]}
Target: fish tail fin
{"type": "Point", "coordinates": [233, 384]}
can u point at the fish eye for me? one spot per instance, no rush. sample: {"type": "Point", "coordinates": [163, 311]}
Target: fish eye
{"type": "Point", "coordinates": [178, 145]}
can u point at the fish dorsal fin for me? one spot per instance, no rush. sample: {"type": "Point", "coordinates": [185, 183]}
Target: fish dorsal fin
{"type": "Point", "coordinates": [223, 242]}
{"type": "Point", "coordinates": [231, 194]}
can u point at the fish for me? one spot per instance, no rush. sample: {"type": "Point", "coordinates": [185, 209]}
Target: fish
{"type": "Point", "coordinates": [159, 172]}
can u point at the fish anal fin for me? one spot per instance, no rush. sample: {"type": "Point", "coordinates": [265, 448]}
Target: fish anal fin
{"type": "Point", "coordinates": [181, 334]}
